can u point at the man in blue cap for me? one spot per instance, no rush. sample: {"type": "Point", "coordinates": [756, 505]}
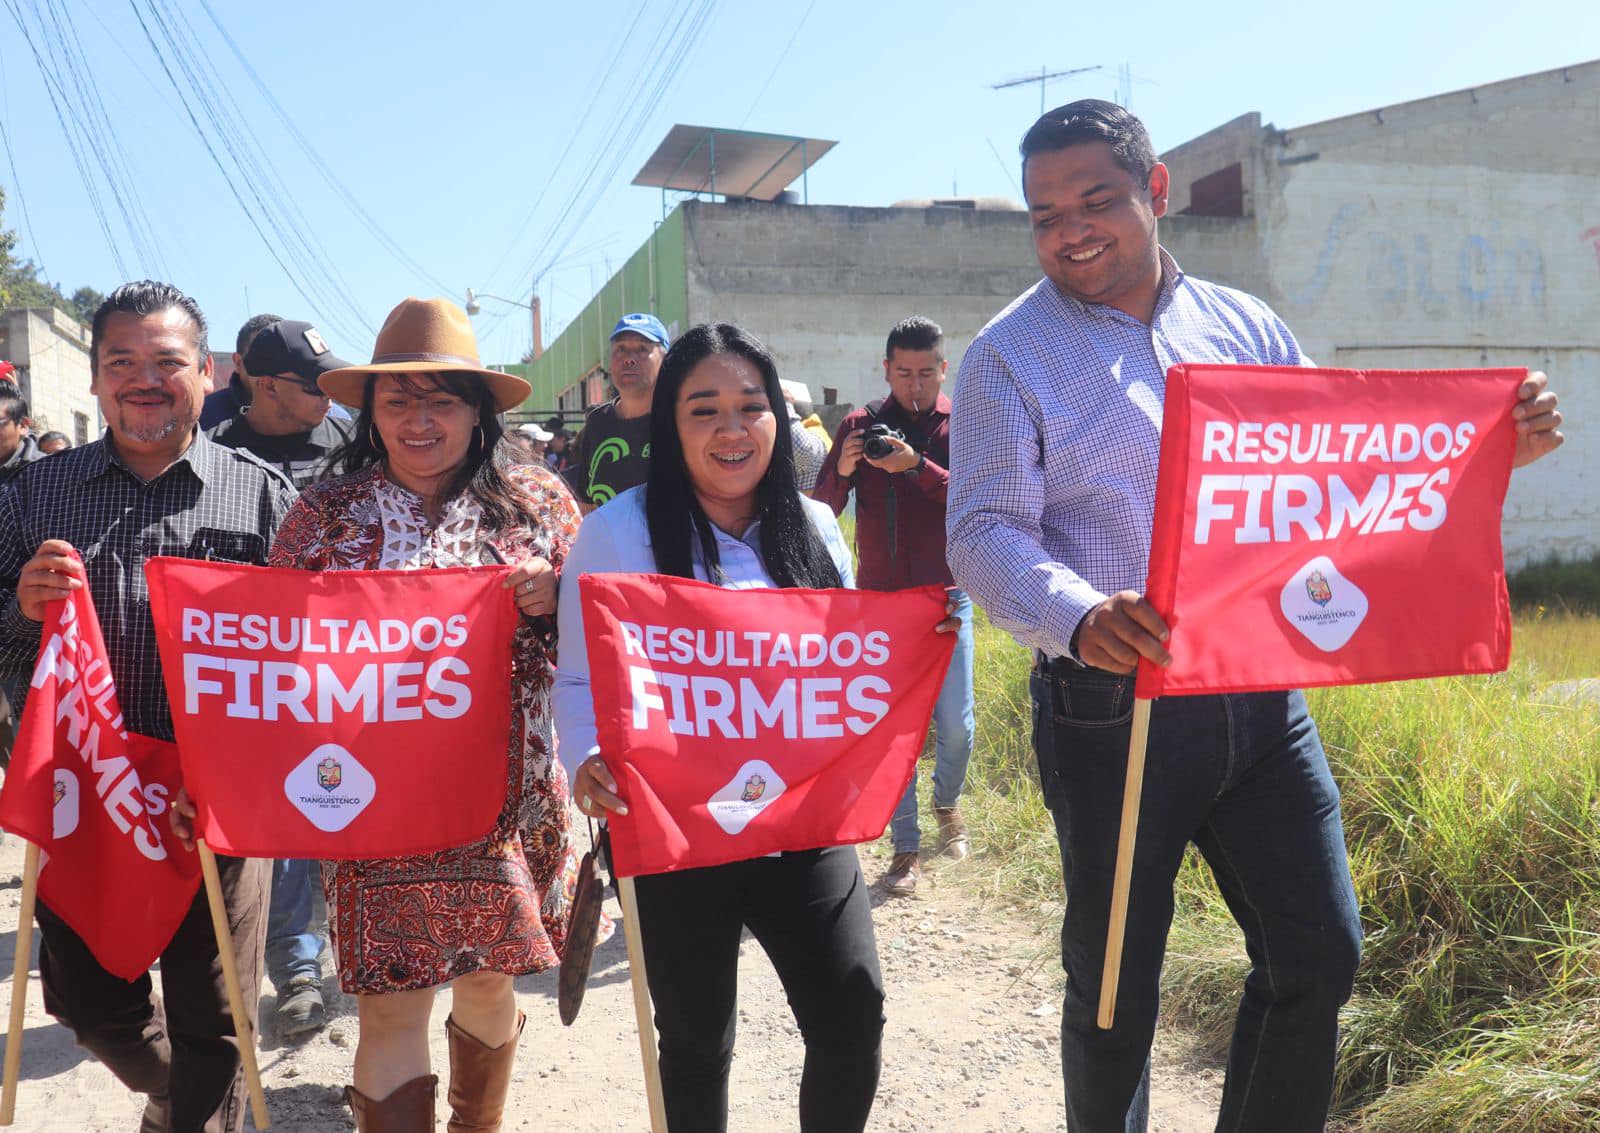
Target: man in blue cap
{"type": "Point", "coordinates": [613, 450]}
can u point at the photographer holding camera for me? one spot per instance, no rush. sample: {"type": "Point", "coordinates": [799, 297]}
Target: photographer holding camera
{"type": "Point", "coordinates": [895, 455]}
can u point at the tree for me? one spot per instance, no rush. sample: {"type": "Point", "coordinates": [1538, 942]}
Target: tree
{"type": "Point", "coordinates": [85, 302]}
{"type": "Point", "coordinates": [20, 285]}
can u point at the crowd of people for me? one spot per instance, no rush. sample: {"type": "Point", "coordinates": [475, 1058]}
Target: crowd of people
{"type": "Point", "coordinates": [1030, 493]}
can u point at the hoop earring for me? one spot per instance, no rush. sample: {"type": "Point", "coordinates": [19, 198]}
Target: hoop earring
{"type": "Point", "coordinates": [483, 437]}
{"type": "Point", "coordinates": [372, 438]}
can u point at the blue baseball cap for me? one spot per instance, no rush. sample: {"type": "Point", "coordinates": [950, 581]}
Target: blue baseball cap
{"type": "Point", "coordinates": [645, 325]}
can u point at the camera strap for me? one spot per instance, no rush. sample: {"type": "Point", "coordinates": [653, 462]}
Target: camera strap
{"type": "Point", "coordinates": [891, 507]}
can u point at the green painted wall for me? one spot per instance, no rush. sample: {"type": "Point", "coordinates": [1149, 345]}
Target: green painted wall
{"type": "Point", "coordinates": [657, 268]}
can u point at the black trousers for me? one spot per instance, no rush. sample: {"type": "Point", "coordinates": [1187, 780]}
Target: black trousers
{"type": "Point", "coordinates": [810, 913]}
{"type": "Point", "coordinates": [182, 1052]}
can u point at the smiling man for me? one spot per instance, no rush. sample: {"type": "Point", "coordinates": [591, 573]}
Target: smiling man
{"type": "Point", "coordinates": [1054, 445]}
{"type": "Point", "coordinates": [152, 485]}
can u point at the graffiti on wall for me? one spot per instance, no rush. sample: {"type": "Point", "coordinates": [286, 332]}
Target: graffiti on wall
{"type": "Point", "coordinates": [1476, 274]}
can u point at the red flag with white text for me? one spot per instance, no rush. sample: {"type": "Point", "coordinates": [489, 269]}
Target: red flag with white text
{"type": "Point", "coordinates": [93, 797]}
{"type": "Point", "coordinates": [730, 742]}
{"type": "Point", "coordinates": [1323, 527]}
{"type": "Point", "coordinates": [337, 714]}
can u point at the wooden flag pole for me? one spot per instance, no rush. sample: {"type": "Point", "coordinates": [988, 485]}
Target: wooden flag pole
{"type": "Point", "coordinates": [1132, 789]}
{"type": "Point", "coordinates": [641, 1004]}
{"type": "Point", "coordinates": [230, 976]}
{"type": "Point", "coordinates": [19, 984]}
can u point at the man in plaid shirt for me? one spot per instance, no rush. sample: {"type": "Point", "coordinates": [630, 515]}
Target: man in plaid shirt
{"type": "Point", "coordinates": [153, 485]}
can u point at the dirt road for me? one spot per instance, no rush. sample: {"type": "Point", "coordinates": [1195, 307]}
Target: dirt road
{"type": "Point", "coordinates": [972, 1042]}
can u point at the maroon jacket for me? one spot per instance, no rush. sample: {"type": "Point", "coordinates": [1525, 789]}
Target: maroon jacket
{"type": "Point", "coordinates": [917, 557]}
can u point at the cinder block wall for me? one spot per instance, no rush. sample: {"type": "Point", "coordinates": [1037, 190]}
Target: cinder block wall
{"type": "Point", "coordinates": [821, 285]}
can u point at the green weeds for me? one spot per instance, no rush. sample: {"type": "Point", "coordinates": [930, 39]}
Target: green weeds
{"type": "Point", "coordinates": [1472, 812]}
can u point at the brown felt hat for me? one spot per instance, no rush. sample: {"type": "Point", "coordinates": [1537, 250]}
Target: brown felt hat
{"type": "Point", "coordinates": [424, 336]}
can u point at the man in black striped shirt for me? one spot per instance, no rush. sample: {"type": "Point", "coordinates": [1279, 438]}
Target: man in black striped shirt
{"type": "Point", "coordinates": [153, 485]}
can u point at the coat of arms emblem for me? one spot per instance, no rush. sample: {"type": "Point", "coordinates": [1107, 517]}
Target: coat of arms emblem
{"type": "Point", "coordinates": [330, 773]}
{"type": "Point", "coordinates": [754, 788]}
{"type": "Point", "coordinates": [1317, 588]}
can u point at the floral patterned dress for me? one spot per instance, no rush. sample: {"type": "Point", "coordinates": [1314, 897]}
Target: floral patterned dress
{"type": "Point", "coordinates": [500, 904]}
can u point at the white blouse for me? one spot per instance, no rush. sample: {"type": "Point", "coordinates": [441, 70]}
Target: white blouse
{"type": "Point", "coordinates": [615, 539]}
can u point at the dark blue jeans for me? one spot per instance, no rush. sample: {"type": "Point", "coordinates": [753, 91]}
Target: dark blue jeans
{"type": "Point", "coordinates": [1245, 779]}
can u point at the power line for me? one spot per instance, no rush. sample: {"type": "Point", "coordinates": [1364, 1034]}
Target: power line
{"type": "Point", "coordinates": [782, 55]}
{"type": "Point", "coordinates": [57, 94]}
{"type": "Point", "coordinates": [303, 262]}
{"type": "Point", "coordinates": [393, 246]}
{"type": "Point", "coordinates": [62, 34]}
{"type": "Point", "coordinates": [673, 52]}
{"type": "Point", "coordinates": [16, 181]}
{"type": "Point", "coordinates": [632, 25]}
{"type": "Point", "coordinates": [284, 214]}
{"type": "Point", "coordinates": [273, 249]}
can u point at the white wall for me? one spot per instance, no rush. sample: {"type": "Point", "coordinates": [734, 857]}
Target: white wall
{"type": "Point", "coordinates": [1462, 230]}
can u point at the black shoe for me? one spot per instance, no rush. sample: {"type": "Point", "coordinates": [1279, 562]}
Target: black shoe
{"type": "Point", "coordinates": [300, 1009]}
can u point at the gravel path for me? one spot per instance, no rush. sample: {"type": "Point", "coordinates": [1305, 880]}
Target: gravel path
{"type": "Point", "coordinates": [972, 1042]}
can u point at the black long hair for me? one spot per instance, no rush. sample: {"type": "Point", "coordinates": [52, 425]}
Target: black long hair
{"type": "Point", "coordinates": [791, 548]}
{"type": "Point", "coordinates": [482, 475]}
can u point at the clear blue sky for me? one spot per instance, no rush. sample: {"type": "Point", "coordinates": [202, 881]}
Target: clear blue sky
{"type": "Point", "coordinates": [448, 124]}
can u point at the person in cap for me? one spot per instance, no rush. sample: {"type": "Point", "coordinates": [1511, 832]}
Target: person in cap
{"type": "Point", "coordinates": [228, 402]}
{"type": "Point", "coordinates": [426, 482]}
{"type": "Point", "coordinates": [536, 440]}
{"type": "Point", "coordinates": [287, 423]}
{"type": "Point", "coordinates": [613, 448]}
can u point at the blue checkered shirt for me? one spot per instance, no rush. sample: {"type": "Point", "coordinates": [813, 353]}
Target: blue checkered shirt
{"type": "Point", "coordinates": [1054, 441]}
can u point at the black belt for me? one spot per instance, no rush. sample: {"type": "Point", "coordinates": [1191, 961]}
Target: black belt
{"type": "Point", "coordinates": [1055, 666]}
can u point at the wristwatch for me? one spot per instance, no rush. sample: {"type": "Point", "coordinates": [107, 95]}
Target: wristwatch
{"type": "Point", "coordinates": [922, 459]}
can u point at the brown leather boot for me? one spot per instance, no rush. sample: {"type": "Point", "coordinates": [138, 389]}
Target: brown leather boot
{"type": "Point", "coordinates": [900, 879]}
{"type": "Point", "coordinates": [408, 1110]}
{"type": "Point", "coordinates": [953, 840]}
{"type": "Point", "coordinates": [480, 1078]}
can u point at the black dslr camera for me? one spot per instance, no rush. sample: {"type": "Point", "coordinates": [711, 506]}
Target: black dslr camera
{"type": "Point", "coordinates": [879, 440]}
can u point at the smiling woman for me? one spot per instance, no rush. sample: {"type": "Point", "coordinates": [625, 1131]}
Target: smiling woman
{"type": "Point", "coordinates": [720, 504]}
{"type": "Point", "coordinates": [425, 482]}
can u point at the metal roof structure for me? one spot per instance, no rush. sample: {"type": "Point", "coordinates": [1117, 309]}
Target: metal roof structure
{"type": "Point", "coordinates": [735, 163]}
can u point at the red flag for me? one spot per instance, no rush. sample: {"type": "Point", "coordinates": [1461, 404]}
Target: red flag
{"type": "Point", "coordinates": [1323, 527]}
{"type": "Point", "coordinates": [340, 714]}
{"type": "Point", "coordinates": [730, 742]}
{"type": "Point", "coordinates": [93, 798]}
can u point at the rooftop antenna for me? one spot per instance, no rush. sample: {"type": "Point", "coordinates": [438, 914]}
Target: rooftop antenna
{"type": "Point", "coordinates": [1124, 90]}
{"type": "Point", "coordinates": [1043, 77]}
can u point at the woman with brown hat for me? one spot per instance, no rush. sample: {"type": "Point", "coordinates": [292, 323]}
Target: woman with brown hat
{"type": "Point", "coordinates": [423, 483]}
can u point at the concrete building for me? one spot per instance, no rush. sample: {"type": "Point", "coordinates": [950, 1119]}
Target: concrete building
{"type": "Point", "coordinates": [51, 352]}
{"type": "Point", "coordinates": [1458, 230]}
{"type": "Point", "coordinates": [820, 284]}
